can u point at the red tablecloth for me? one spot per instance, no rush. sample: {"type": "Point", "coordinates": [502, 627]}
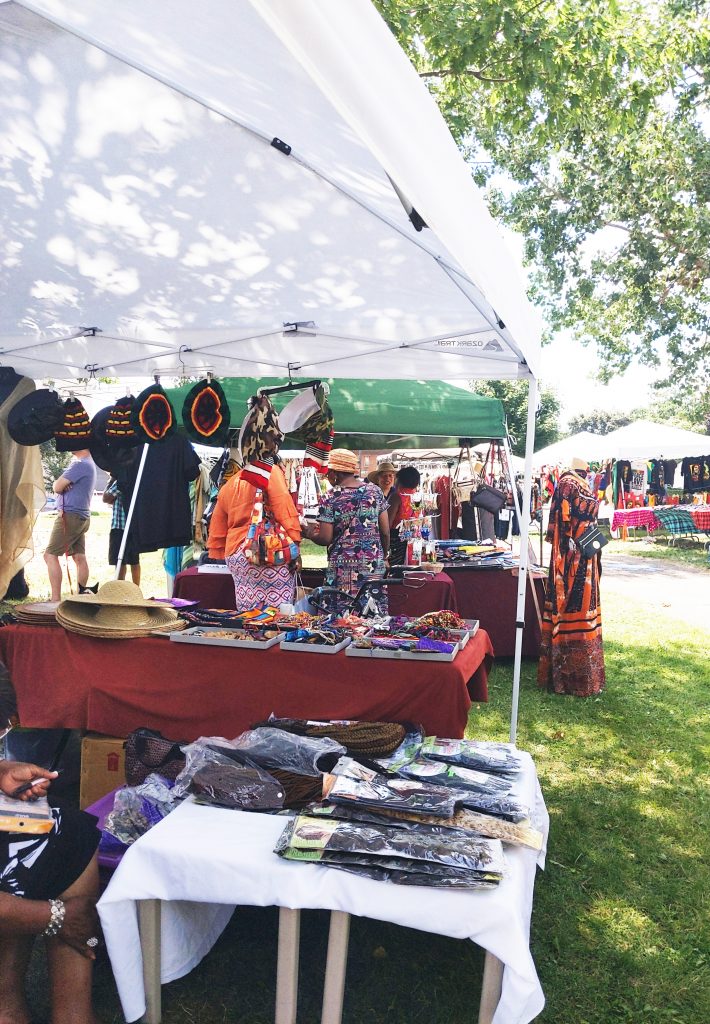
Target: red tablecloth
{"type": "Point", "coordinates": [491, 595]}
{"type": "Point", "coordinates": [634, 517]}
{"type": "Point", "coordinates": [216, 590]}
{"type": "Point", "coordinates": [114, 686]}
{"type": "Point", "coordinates": [701, 517]}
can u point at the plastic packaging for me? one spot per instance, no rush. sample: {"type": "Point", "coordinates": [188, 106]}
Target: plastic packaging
{"type": "Point", "coordinates": [306, 838]}
{"type": "Point", "coordinates": [354, 784]}
{"type": "Point", "coordinates": [406, 752]}
{"type": "Point", "coordinates": [197, 755]}
{"type": "Point", "coordinates": [501, 758]}
{"type": "Point", "coordinates": [240, 787]}
{"type": "Point", "coordinates": [274, 748]}
{"type": "Point", "coordinates": [437, 773]}
{"type": "Point", "coordinates": [137, 808]}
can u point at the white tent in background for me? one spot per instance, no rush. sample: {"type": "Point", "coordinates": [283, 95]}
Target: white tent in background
{"type": "Point", "coordinates": [251, 187]}
{"type": "Point", "coordinates": [646, 440]}
{"type": "Point", "coordinates": [585, 445]}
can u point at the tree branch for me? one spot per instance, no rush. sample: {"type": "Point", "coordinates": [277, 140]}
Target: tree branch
{"type": "Point", "coordinates": [448, 72]}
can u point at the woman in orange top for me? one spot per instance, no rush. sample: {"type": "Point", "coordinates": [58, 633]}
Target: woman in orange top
{"type": "Point", "coordinates": [255, 585]}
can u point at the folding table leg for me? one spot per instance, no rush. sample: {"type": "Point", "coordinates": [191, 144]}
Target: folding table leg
{"type": "Point", "coordinates": [490, 989]}
{"type": "Point", "coordinates": [335, 967]}
{"type": "Point", "coordinates": [149, 928]}
{"type": "Point", "coordinates": [287, 965]}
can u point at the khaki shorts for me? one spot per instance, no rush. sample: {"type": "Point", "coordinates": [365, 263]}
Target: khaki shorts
{"type": "Point", "coordinates": [68, 534]}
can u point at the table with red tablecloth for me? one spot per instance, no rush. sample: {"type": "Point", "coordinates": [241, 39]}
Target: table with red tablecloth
{"type": "Point", "coordinates": [635, 517]}
{"type": "Point", "coordinates": [216, 590]}
{"type": "Point", "coordinates": [113, 686]}
{"type": "Point", "coordinates": [700, 515]}
{"type": "Point", "coordinates": [491, 596]}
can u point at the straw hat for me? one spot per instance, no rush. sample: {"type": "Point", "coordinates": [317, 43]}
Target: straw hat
{"type": "Point", "coordinates": [382, 467]}
{"type": "Point", "coordinates": [118, 611]}
{"type": "Point", "coordinates": [341, 460]}
{"type": "Point", "coordinates": [581, 464]}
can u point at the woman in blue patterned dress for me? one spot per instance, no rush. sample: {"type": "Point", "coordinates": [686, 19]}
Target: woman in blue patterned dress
{"type": "Point", "coordinates": [353, 524]}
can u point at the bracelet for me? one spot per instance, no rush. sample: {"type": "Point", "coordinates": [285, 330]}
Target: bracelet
{"type": "Point", "coordinates": [57, 910]}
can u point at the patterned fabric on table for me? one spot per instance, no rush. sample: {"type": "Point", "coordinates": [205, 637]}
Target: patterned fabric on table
{"type": "Point", "coordinates": [635, 517]}
{"type": "Point", "coordinates": [701, 517]}
{"type": "Point", "coordinates": [356, 549]}
{"type": "Point", "coordinates": [677, 520]}
{"type": "Point", "coordinates": [258, 585]}
{"type": "Point", "coordinates": [571, 652]}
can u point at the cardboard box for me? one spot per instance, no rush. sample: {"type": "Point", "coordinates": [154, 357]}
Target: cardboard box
{"type": "Point", "coordinates": [103, 767]}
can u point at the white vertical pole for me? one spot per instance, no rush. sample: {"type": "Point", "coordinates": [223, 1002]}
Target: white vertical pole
{"type": "Point", "coordinates": [523, 573]}
{"type": "Point", "coordinates": [129, 516]}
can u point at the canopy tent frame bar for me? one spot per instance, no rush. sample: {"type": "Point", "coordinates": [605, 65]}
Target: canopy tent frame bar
{"type": "Point", "coordinates": [209, 350]}
{"type": "Point", "coordinates": [524, 521]}
{"type": "Point", "coordinates": [478, 301]}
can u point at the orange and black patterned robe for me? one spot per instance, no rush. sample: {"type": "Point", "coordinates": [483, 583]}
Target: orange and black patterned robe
{"type": "Point", "coordinates": [571, 653]}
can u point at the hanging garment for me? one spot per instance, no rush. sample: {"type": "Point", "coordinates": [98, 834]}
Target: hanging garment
{"type": "Point", "coordinates": [162, 511]}
{"type": "Point", "coordinates": [696, 473]}
{"type": "Point", "coordinates": [571, 653]}
{"type": "Point", "coordinates": [21, 487]}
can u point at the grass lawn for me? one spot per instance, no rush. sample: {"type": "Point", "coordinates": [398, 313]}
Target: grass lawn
{"type": "Point", "coordinates": [685, 552]}
{"type": "Point", "coordinates": [620, 930]}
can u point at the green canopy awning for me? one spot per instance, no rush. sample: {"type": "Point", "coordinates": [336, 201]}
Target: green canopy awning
{"type": "Point", "coordinates": [376, 414]}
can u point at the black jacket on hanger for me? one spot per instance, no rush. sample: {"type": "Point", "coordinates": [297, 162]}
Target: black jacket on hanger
{"type": "Point", "coordinates": [162, 515]}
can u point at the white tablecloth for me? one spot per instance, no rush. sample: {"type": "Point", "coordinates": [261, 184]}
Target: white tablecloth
{"type": "Point", "coordinates": [204, 861]}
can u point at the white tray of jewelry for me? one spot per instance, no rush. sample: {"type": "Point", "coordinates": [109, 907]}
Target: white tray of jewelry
{"type": "Point", "coordinates": [223, 636]}
{"type": "Point", "coordinates": [316, 648]}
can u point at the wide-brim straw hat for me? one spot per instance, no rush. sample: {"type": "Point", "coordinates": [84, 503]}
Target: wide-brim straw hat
{"type": "Point", "coordinates": [118, 610]}
{"type": "Point", "coordinates": [341, 460]}
{"type": "Point", "coordinates": [577, 463]}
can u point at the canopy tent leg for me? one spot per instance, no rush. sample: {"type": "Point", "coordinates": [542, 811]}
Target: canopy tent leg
{"type": "Point", "coordinates": [129, 516]}
{"type": "Point", "coordinates": [524, 554]}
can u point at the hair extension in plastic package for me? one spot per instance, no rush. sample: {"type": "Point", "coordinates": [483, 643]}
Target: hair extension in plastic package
{"type": "Point", "coordinates": [275, 748]}
{"type": "Point", "coordinates": [501, 758]}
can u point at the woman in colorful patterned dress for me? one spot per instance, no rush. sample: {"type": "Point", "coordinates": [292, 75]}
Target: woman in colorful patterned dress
{"type": "Point", "coordinates": [571, 653]}
{"type": "Point", "coordinates": [353, 524]}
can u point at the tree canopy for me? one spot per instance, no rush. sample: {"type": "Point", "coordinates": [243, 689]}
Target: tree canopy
{"type": "Point", "coordinates": [587, 121]}
{"type": "Point", "coordinates": [514, 396]}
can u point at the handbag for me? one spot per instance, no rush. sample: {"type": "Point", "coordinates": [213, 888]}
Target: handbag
{"type": "Point", "coordinates": [149, 751]}
{"type": "Point", "coordinates": [591, 541]}
{"type": "Point", "coordinates": [488, 498]}
{"type": "Point", "coordinates": [267, 542]}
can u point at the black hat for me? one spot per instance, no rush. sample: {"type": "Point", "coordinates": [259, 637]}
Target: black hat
{"type": "Point", "coordinates": [153, 417]}
{"type": "Point", "coordinates": [100, 451]}
{"type": "Point", "coordinates": [74, 433]}
{"type": "Point", "coordinates": [205, 414]}
{"type": "Point", "coordinates": [119, 430]}
{"type": "Point", "coordinates": [35, 417]}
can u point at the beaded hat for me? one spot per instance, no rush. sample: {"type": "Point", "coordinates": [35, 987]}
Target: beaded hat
{"type": "Point", "coordinates": [74, 433]}
{"type": "Point", "coordinates": [205, 414]}
{"type": "Point", "coordinates": [153, 417]}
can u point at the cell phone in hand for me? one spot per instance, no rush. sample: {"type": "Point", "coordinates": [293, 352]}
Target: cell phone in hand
{"type": "Point", "coordinates": [28, 785]}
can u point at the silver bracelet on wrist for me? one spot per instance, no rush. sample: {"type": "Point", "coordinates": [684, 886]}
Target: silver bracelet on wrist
{"type": "Point", "coordinates": [57, 910]}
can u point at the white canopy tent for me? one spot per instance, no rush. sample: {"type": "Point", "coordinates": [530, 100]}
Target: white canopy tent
{"type": "Point", "coordinates": [585, 445]}
{"type": "Point", "coordinates": [236, 186]}
{"type": "Point", "coordinates": [646, 440]}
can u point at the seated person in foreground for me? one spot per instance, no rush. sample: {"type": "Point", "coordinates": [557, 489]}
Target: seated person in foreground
{"type": "Point", "coordinates": [48, 886]}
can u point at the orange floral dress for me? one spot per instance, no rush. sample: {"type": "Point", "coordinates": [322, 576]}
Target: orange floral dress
{"type": "Point", "coordinates": [571, 652]}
